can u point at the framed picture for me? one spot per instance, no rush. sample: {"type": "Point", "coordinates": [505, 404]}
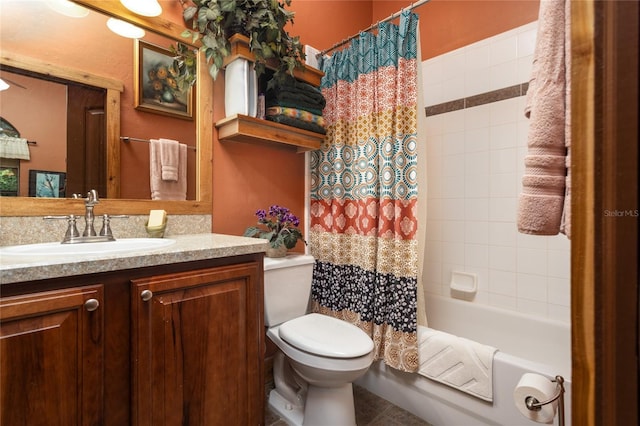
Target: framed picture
{"type": "Point", "coordinates": [43, 183]}
{"type": "Point", "coordinates": [155, 87]}
{"type": "Point", "coordinates": [9, 181]}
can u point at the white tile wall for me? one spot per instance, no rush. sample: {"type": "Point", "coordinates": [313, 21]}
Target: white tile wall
{"type": "Point", "coordinates": [475, 163]}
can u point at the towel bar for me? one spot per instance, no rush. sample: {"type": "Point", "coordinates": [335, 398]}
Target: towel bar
{"type": "Point", "coordinates": [127, 139]}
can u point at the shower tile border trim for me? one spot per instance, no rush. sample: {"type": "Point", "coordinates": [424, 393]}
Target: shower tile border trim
{"type": "Point", "coordinates": [477, 100]}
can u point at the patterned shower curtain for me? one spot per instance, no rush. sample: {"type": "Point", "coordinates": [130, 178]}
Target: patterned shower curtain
{"type": "Point", "coordinates": [364, 191]}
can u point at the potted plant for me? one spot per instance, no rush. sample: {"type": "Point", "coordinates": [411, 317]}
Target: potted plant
{"type": "Point", "coordinates": [263, 21]}
{"type": "Point", "coordinates": [278, 226]}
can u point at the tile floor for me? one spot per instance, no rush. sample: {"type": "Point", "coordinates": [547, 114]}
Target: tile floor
{"type": "Point", "coordinates": [371, 410]}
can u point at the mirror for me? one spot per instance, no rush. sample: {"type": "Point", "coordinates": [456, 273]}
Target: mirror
{"type": "Point", "coordinates": [120, 156]}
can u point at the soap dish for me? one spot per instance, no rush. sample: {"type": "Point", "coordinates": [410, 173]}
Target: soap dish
{"type": "Point", "coordinates": [156, 231]}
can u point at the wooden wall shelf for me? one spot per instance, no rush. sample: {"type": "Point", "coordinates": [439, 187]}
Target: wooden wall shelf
{"type": "Point", "coordinates": [242, 128]}
{"type": "Point", "coordinates": [240, 49]}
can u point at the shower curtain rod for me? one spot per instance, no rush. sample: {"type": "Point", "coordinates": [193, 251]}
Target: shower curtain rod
{"type": "Point", "coordinates": [372, 27]}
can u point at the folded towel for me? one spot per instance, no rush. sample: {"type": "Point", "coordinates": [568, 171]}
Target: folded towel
{"type": "Point", "coordinates": [162, 189]}
{"type": "Point", "coordinates": [11, 147]}
{"type": "Point", "coordinates": [296, 113]}
{"type": "Point", "coordinates": [542, 203]}
{"type": "Point", "coordinates": [295, 94]}
{"type": "Point", "coordinates": [295, 122]}
{"type": "Point", "coordinates": [290, 85]}
{"type": "Point", "coordinates": [293, 103]}
{"type": "Point", "coordinates": [169, 159]}
{"type": "Point", "coordinates": [457, 362]}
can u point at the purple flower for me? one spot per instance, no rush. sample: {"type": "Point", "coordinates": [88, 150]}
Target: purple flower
{"type": "Point", "coordinates": [281, 224]}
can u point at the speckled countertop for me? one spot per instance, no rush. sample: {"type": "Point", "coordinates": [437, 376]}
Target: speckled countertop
{"type": "Point", "coordinates": [19, 268]}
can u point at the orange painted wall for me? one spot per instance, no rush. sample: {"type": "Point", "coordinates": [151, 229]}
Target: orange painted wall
{"type": "Point", "coordinates": [46, 103]}
{"type": "Point", "coordinates": [446, 25]}
{"type": "Point", "coordinates": [248, 177]}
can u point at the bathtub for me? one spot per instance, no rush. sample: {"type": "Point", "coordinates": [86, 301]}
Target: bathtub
{"type": "Point", "coordinates": [525, 345]}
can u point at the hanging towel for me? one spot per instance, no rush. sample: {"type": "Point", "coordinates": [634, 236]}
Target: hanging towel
{"type": "Point", "coordinates": [162, 189]}
{"type": "Point", "coordinates": [11, 147]}
{"type": "Point", "coordinates": [541, 209]}
{"type": "Point", "coordinates": [169, 159]}
{"type": "Point", "coordinates": [457, 362]}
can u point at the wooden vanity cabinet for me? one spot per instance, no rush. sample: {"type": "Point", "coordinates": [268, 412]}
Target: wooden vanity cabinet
{"type": "Point", "coordinates": [181, 344]}
{"type": "Point", "coordinates": [195, 346]}
{"type": "Point", "coordinates": [51, 357]}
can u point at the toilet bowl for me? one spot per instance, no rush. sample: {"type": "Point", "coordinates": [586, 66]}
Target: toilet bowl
{"type": "Point", "coordinates": [319, 356]}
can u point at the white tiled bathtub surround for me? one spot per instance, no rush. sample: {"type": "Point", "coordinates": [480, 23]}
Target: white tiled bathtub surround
{"type": "Point", "coordinates": [475, 163]}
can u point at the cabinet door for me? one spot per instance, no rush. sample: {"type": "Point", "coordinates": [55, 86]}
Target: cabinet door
{"type": "Point", "coordinates": [51, 358]}
{"type": "Point", "coordinates": [197, 348]}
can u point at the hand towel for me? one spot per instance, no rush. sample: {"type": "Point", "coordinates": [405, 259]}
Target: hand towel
{"type": "Point", "coordinates": [11, 147]}
{"type": "Point", "coordinates": [544, 187]}
{"type": "Point", "coordinates": [461, 363]}
{"type": "Point", "coordinates": [162, 189]}
{"type": "Point", "coordinates": [169, 159]}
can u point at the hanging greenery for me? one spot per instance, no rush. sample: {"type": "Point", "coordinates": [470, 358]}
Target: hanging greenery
{"type": "Point", "coordinates": [212, 22]}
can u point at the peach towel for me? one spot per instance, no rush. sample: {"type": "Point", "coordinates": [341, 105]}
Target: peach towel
{"type": "Point", "coordinates": [544, 202]}
{"type": "Point", "coordinates": [169, 159]}
{"type": "Point", "coordinates": [163, 189]}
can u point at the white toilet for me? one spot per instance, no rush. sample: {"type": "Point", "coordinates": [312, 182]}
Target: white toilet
{"type": "Point", "coordinates": [319, 357]}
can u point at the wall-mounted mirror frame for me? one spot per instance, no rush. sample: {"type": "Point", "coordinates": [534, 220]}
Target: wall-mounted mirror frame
{"type": "Point", "coordinates": [203, 115]}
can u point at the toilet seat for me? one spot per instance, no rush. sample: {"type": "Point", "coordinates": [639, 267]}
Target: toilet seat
{"type": "Point", "coordinates": [323, 335]}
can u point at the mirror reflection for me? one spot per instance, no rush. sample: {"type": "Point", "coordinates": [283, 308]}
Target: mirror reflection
{"type": "Point", "coordinates": [65, 122]}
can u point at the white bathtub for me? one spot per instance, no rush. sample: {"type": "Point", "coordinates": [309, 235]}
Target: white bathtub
{"type": "Point", "coordinates": [525, 344]}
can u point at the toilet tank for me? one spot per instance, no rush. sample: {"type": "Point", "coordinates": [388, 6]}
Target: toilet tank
{"type": "Point", "coordinates": [287, 287]}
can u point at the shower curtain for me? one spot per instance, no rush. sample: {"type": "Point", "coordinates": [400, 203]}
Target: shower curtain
{"type": "Point", "coordinates": [363, 224]}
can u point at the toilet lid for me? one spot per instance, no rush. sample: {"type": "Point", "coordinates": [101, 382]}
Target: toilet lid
{"type": "Point", "coordinates": [326, 336]}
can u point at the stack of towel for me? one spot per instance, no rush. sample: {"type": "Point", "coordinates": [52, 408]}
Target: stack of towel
{"type": "Point", "coordinates": [296, 104]}
{"type": "Point", "coordinates": [168, 168]}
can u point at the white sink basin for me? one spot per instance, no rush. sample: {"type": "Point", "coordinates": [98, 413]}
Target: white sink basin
{"type": "Point", "coordinates": [123, 245]}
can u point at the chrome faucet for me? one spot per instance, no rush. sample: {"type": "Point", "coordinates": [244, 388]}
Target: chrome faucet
{"type": "Point", "coordinates": [89, 217]}
{"type": "Point", "coordinates": [89, 235]}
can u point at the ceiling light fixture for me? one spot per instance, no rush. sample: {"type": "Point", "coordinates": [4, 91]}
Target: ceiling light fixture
{"type": "Point", "coordinates": [124, 29]}
{"type": "Point", "coordinates": [67, 8]}
{"type": "Point", "coordinates": [143, 7]}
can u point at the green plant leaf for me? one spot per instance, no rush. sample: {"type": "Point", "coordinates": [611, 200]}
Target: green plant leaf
{"type": "Point", "coordinates": [189, 13]}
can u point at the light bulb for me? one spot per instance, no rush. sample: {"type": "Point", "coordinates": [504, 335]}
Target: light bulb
{"type": "Point", "coordinates": [68, 8]}
{"type": "Point", "coordinates": [143, 7]}
{"type": "Point", "coordinates": [124, 29]}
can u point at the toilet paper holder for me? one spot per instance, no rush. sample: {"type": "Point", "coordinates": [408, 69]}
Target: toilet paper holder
{"type": "Point", "coordinates": [533, 404]}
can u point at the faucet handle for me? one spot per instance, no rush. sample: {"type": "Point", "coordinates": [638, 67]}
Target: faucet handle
{"type": "Point", "coordinates": [106, 224]}
{"type": "Point", "coordinates": [72, 229]}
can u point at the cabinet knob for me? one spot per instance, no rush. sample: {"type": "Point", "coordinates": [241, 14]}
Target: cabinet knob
{"type": "Point", "coordinates": [91, 305]}
{"type": "Point", "coordinates": [146, 295]}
